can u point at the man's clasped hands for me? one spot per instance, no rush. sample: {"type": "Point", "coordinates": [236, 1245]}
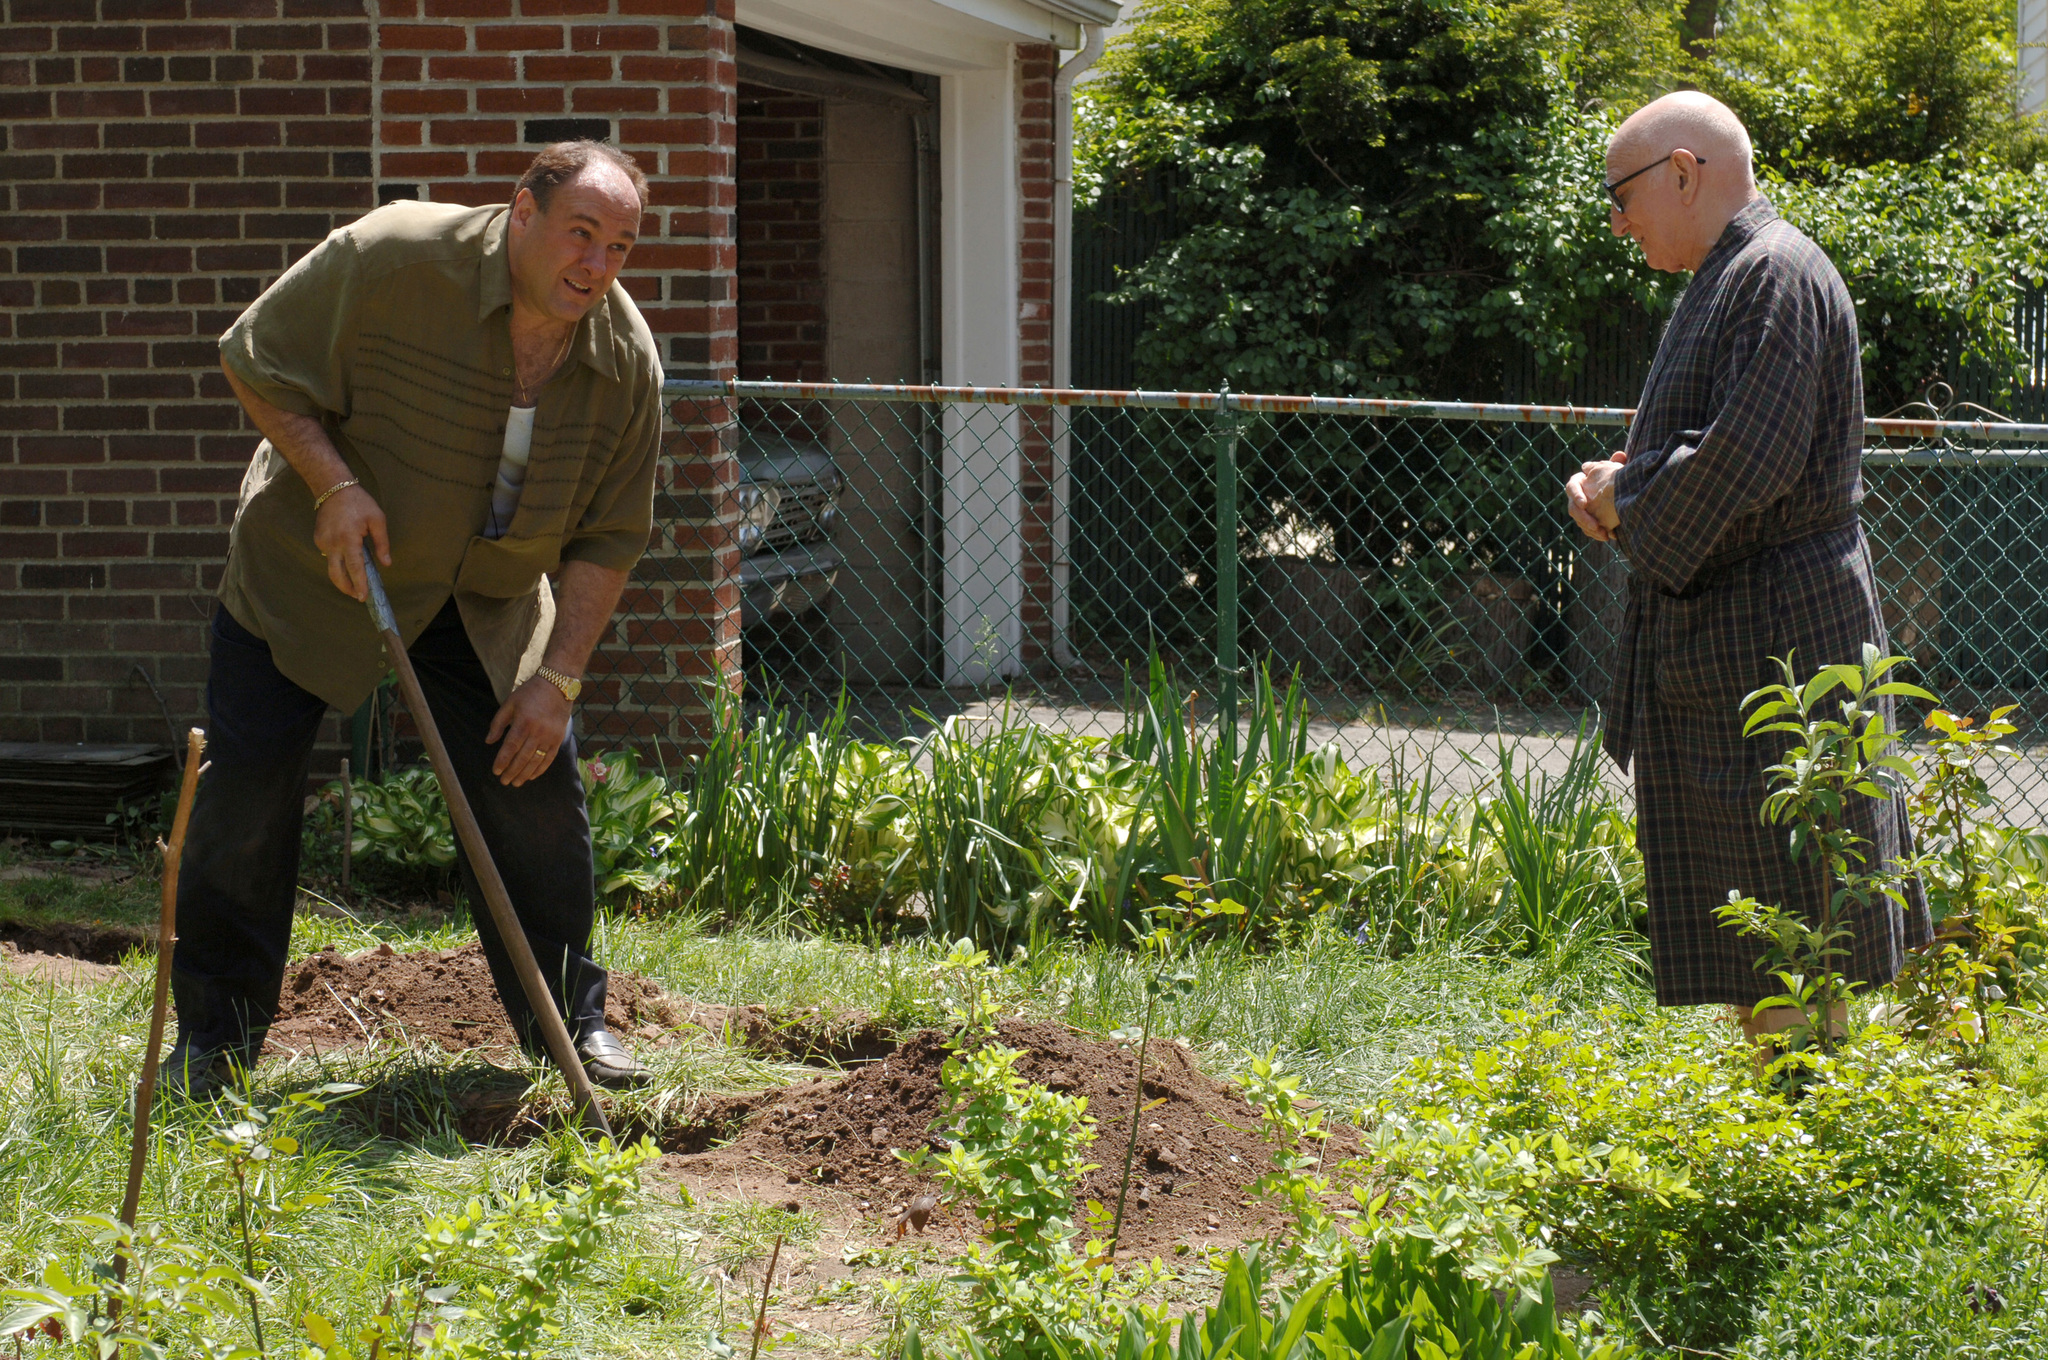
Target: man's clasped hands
{"type": "Point", "coordinates": [1589, 495]}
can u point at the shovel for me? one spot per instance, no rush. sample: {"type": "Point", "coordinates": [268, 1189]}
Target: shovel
{"type": "Point", "coordinates": [472, 837]}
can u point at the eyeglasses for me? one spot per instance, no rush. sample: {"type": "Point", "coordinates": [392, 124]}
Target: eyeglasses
{"type": "Point", "coordinates": [1615, 198]}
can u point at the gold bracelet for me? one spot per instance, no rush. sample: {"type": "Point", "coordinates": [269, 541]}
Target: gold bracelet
{"type": "Point", "coordinates": [322, 498]}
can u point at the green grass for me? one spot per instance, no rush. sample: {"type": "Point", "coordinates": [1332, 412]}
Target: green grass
{"type": "Point", "coordinates": [392, 1155]}
{"type": "Point", "coordinates": [120, 890]}
{"type": "Point", "coordinates": [1347, 1018]}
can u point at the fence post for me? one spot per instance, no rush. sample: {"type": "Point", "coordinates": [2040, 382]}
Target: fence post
{"type": "Point", "coordinates": [1223, 432]}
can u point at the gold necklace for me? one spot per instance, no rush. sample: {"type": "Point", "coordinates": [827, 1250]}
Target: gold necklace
{"type": "Point", "coordinates": [520, 394]}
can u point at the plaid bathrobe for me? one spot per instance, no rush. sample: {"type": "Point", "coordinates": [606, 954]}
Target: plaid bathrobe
{"type": "Point", "coordinates": [1739, 518]}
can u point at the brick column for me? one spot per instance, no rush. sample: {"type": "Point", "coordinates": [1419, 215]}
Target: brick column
{"type": "Point", "coordinates": [781, 236]}
{"type": "Point", "coordinates": [1035, 67]}
{"type": "Point", "coordinates": [164, 160]}
{"type": "Point", "coordinates": [780, 230]}
{"type": "Point", "coordinates": [688, 631]}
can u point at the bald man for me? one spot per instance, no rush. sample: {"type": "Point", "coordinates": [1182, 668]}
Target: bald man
{"type": "Point", "coordinates": [1735, 503]}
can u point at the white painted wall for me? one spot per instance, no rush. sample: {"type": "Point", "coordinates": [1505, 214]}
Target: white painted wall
{"type": "Point", "coordinates": [2033, 32]}
{"type": "Point", "coordinates": [981, 569]}
{"type": "Point", "coordinates": [939, 37]}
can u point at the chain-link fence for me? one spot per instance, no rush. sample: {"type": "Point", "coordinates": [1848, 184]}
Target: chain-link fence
{"type": "Point", "coordinates": [927, 551]}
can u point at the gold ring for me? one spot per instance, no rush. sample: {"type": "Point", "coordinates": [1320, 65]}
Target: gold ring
{"type": "Point", "coordinates": [541, 752]}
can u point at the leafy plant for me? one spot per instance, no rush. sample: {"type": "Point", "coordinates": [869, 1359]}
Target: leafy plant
{"type": "Point", "coordinates": [1975, 947]}
{"type": "Point", "coordinates": [1015, 1158]}
{"type": "Point", "coordinates": [486, 1282]}
{"type": "Point", "coordinates": [1221, 804]}
{"type": "Point", "coordinates": [974, 812]}
{"type": "Point", "coordinates": [1400, 1302]}
{"type": "Point", "coordinates": [1883, 1116]}
{"type": "Point", "coordinates": [777, 801]}
{"type": "Point", "coordinates": [1894, 1280]}
{"type": "Point", "coordinates": [247, 1149]}
{"type": "Point", "coordinates": [1561, 840]}
{"type": "Point", "coordinates": [403, 820]}
{"type": "Point", "coordinates": [1828, 761]}
{"type": "Point", "coordinates": [1162, 949]}
{"type": "Point", "coordinates": [630, 814]}
{"type": "Point", "coordinates": [1296, 1178]}
{"type": "Point", "coordinates": [175, 1301]}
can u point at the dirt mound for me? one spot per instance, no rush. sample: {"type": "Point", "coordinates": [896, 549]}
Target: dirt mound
{"type": "Point", "coordinates": [814, 1036]}
{"type": "Point", "coordinates": [334, 1000]}
{"type": "Point", "coordinates": [94, 943]}
{"type": "Point", "coordinates": [42, 967]}
{"type": "Point", "coordinates": [833, 1141]}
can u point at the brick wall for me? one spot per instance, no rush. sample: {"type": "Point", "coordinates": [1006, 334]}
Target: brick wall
{"type": "Point", "coordinates": [781, 236]}
{"type": "Point", "coordinates": [164, 160]}
{"type": "Point", "coordinates": [1035, 68]}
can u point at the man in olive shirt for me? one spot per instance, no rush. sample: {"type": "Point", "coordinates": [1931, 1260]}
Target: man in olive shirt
{"type": "Point", "coordinates": [471, 391]}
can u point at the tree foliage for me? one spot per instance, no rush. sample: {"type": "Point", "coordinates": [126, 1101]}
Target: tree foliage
{"type": "Point", "coordinates": [1937, 255]}
{"type": "Point", "coordinates": [1350, 173]}
{"type": "Point", "coordinates": [1394, 196]}
{"type": "Point", "coordinates": [1823, 83]}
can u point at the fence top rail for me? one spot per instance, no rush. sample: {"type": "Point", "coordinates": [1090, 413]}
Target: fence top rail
{"type": "Point", "coordinates": [1152, 401]}
{"type": "Point", "coordinates": [1974, 431]}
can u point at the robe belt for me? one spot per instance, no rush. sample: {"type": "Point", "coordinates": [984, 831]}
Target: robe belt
{"type": "Point", "coordinates": [1633, 666]}
{"type": "Point", "coordinates": [1715, 569]}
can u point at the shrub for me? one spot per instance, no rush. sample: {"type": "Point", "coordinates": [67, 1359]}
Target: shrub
{"type": "Point", "coordinates": [1883, 1116]}
{"type": "Point", "coordinates": [1015, 1159]}
{"type": "Point", "coordinates": [1893, 1280]}
{"type": "Point", "coordinates": [1402, 1301]}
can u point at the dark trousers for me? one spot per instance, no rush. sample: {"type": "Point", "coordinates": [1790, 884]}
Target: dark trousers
{"type": "Point", "coordinates": [239, 877]}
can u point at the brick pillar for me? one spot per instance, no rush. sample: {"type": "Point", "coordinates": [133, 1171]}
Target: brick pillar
{"type": "Point", "coordinates": [164, 161]}
{"type": "Point", "coordinates": [467, 90]}
{"type": "Point", "coordinates": [780, 228]}
{"type": "Point", "coordinates": [781, 236]}
{"type": "Point", "coordinates": [680, 627]}
{"type": "Point", "coordinates": [1035, 67]}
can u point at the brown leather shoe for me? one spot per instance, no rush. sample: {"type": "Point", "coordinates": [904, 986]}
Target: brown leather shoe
{"type": "Point", "coordinates": [608, 1062]}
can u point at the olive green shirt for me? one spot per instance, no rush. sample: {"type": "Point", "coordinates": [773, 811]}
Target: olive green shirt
{"type": "Point", "coordinates": [395, 333]}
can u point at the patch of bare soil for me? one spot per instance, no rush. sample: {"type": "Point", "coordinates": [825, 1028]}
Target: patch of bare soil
{"type": "Point", "coordinates": [94, 943]}
{"type": "Point", "coordinates": [46, 967]}
{"type": "Point", "coordinates": [334, 1000]}
{"type": "Point", "coordinates": [831, 1143]}
{"type": "Point", "coordinates": [827, 1143]}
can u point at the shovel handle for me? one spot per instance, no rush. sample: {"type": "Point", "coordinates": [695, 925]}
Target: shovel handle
{"type": "Point", "coordinates": [499, 902]}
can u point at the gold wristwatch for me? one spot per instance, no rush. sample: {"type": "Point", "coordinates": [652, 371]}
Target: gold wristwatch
{"type": "Point", "coordinates": [568, 684]}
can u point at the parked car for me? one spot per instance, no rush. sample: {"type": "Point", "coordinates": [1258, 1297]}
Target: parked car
{"type": "Point", "coordinates": [789, 499]}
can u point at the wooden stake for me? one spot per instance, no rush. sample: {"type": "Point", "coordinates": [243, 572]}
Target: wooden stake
{"type": "Point", "coordinates": [166, 940]}
{"type": "Point", "coordinates": [560, 1047]}
{"type": "Point", "coordinates": [761, 1317]}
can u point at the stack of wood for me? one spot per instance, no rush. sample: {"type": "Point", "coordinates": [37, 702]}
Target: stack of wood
{"type": "Point", "coordinates": [54, 791]}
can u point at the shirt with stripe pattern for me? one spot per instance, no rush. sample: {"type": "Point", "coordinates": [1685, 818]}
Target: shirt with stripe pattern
{"type": "Point", "coordinates": [395, 333]}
